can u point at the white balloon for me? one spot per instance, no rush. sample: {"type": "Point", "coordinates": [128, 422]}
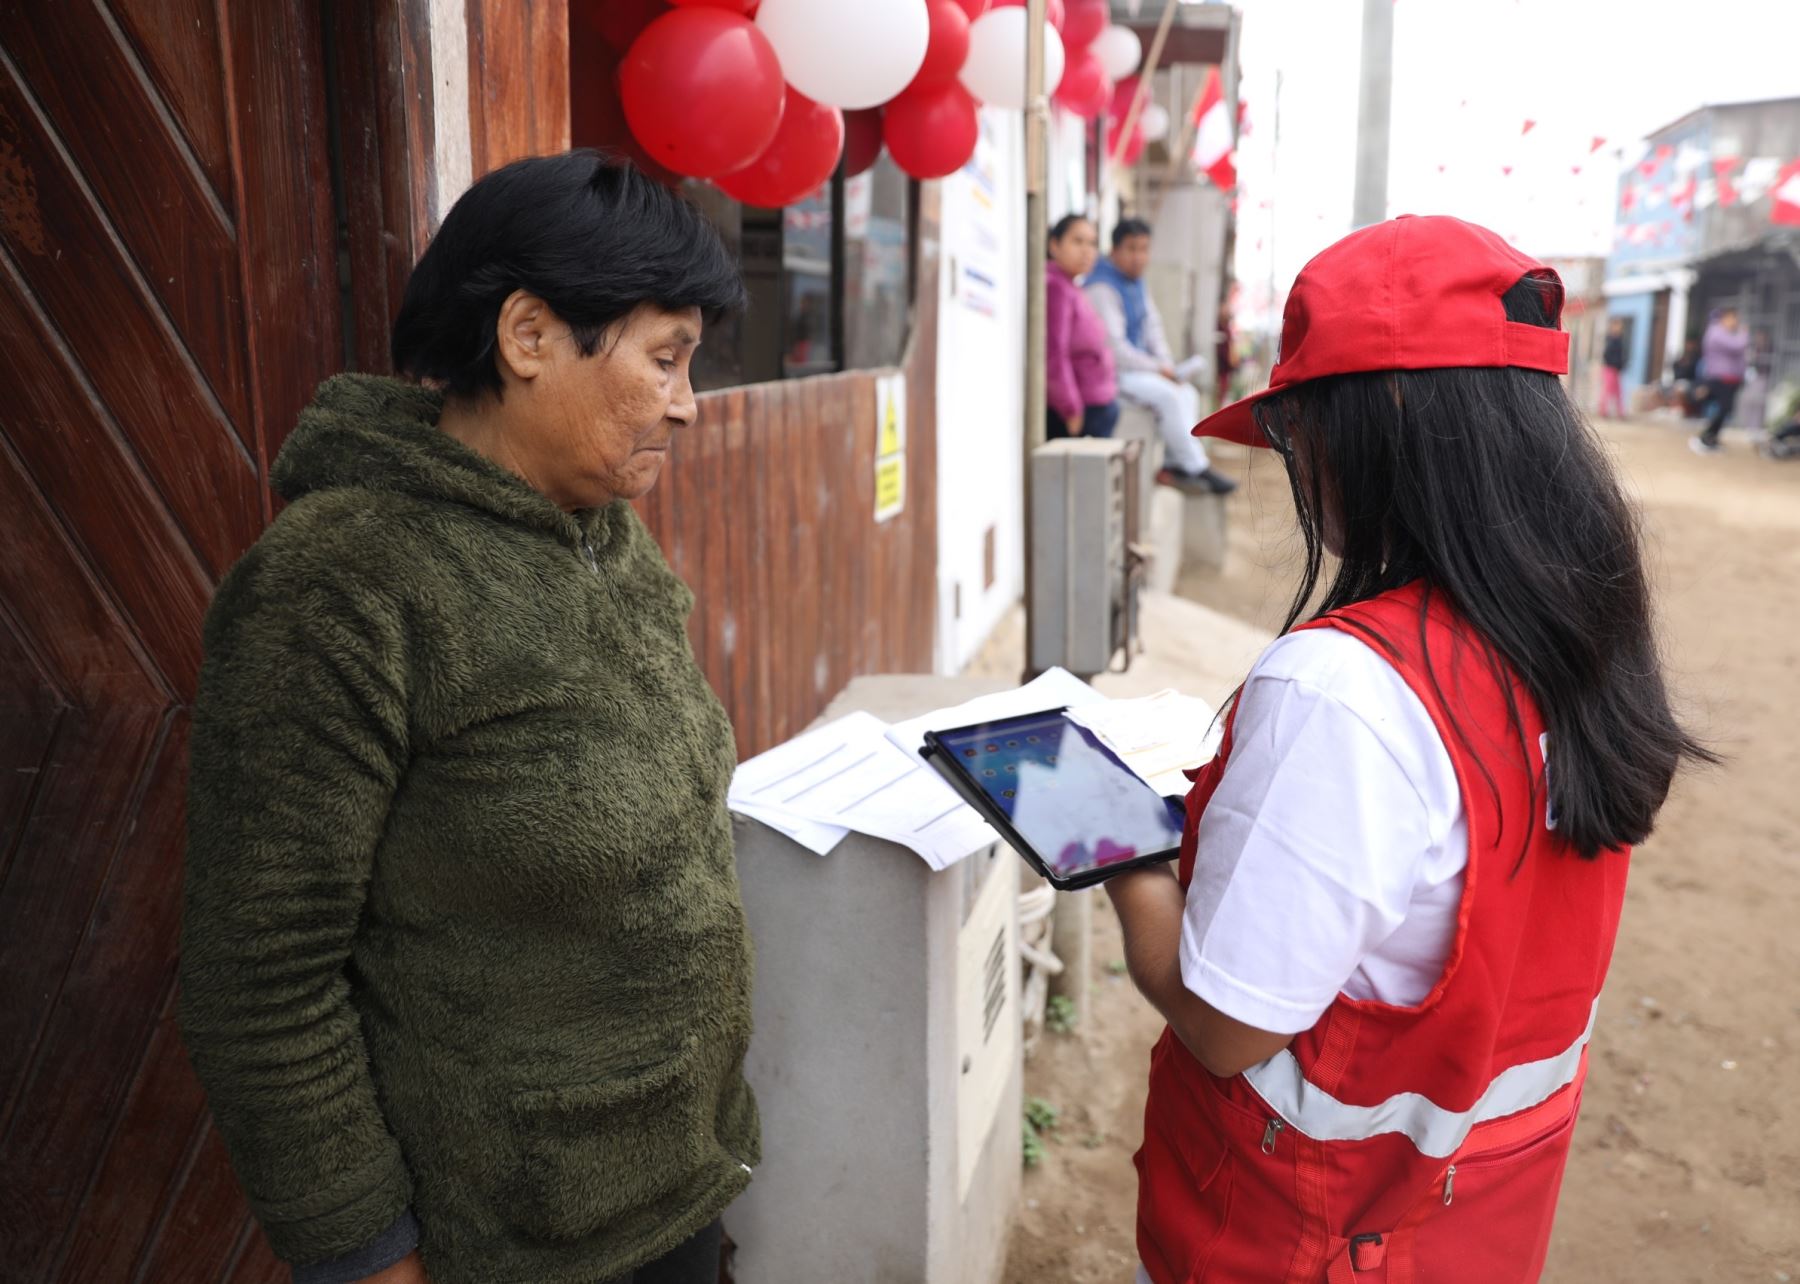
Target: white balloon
{"type": "Point", "coordinates": [1118, 50]}
{"type": "Point", "coordinates": [995, 69]}
{"type": "Point", "coordinates": [847, 53]}
{"type": "Point", "coordinates": [1155, 120]}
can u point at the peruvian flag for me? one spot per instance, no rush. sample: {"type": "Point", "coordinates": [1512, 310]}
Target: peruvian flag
{"type": "Point", "coordinates": [1786, 196]}
{"type": "Point", "coordinates": [1215, 152]}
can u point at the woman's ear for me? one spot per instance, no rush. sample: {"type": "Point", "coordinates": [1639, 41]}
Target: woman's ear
{"type": "Point", "coordinates": [522, 335]}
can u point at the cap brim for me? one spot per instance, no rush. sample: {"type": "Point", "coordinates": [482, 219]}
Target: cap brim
{"type": "Point", "coordinates": [1236, 422]}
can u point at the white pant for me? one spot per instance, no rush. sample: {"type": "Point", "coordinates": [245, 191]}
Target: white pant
{"type": "Point", "coordinates": [1176, 406]}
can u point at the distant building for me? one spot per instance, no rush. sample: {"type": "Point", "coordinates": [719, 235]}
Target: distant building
{"type": "Point", "coordinates": [1584, 317]}
{"type": "Point", "coordinates": [1694, 233]}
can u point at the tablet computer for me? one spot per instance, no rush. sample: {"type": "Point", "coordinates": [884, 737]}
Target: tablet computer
{"type": "Point", "coordinates": [1062, 800]}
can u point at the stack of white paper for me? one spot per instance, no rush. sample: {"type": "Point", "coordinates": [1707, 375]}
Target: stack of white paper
{"type": "Point", "coordinates": [1160, 737]}
{"type": "Point", "coordinates": [859, 773]}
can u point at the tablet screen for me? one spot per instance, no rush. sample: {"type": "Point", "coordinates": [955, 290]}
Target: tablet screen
{"type": "Point", "coordinates": [1078, 806]}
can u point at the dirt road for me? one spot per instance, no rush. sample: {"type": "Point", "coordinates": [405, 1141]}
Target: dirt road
{"type": "Point", "coordinates": [1686, 1167]}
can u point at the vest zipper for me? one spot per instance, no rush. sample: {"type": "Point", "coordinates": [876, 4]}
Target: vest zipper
{"type": "Point", "coordinates": [1269, 1135]}
{"type": "Point", "coordinates": [1449, 1185]}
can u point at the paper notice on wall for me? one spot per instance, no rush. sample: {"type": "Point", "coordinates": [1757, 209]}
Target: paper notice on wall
{"type": "Point", "coordinates": [890, 446]}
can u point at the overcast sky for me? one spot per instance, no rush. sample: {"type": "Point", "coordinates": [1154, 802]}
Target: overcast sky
{"type": "Point", "coordinates": [1467, 75]}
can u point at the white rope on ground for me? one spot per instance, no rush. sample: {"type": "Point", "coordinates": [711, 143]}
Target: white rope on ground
{"type": "Point", "coordinates": [1040, 962]}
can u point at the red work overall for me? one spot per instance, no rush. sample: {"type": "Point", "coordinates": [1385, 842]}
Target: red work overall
{"type": "Point", "coordinates": [1403, 1144]}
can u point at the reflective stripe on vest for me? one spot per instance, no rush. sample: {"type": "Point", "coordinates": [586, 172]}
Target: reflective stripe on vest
{"type": "Point", "coordinates": [1437, 1132]}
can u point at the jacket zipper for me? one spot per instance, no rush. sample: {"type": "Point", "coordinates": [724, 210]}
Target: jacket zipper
{"type": "Point", "coordinates": [1449, 1184]}
{"type": "Point", "coordinates": [587, 551]}
{"type": "Point", "coordinates": [1270, 1134]}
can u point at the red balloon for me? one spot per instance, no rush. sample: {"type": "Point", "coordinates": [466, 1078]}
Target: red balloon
{"type": "Point", "coordinates": [1086, 88]}
{"type": "Point", "coordinates": [1134, 146]}
{"type": "Point", "coordinates": [735, 6]}
{"type": "Point", "coordinates": [1123, 92]}
{"type": "Point", "coordinates": [620, 22]}
{"type": "Point", "coordinates": [974, 8]}
{"type": "Point", "coordinates": [931, 132]}
{"type": "Point", "coordinates": [949, 47]}
{"type": "Point", "coordinates": [797, 163]}
{"type": "Point", "coordinates": [862, 140]}
{"type": "Point", "coordinates": [702, 91]}
{"type": "Point", "coordinates": [1083, 22]}
{"type": "Point", "coordinates": [1052, 11]}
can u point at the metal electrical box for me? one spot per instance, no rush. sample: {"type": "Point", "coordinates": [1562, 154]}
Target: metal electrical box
{"type": "Point", "coordinates": [886, 1055]}
{"type": "Point", "coordinates": [1083, 570]}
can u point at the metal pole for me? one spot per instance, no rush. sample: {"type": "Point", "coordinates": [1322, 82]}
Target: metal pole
{"type": "Point", "coordinates": [1374, 110]}
{"type": "Point", "coordinates": [1037, 164]}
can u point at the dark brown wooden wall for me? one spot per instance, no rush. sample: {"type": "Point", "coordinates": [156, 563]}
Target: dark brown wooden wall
{"type": "Point", "coordinates": [168, 298]}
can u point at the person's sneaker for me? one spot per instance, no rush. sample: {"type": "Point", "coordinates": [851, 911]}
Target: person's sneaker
{"type": "Point", "coordinates": [1701, 446]}
{"type": "Point", "coordinates": [1204, 482]}
{"type": "Point", "coordinates": [1217, 481]}
{"type": "Point", "coordinates": [1185, 482]}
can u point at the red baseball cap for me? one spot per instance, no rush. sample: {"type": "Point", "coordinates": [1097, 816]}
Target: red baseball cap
{"type": "Point", "coordinates": [1413, 293]}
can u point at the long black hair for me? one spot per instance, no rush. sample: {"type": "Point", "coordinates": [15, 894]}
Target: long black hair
{"type": "Point", "coordinates": [587, 233]}
{"type": "Point", "coordinates": [1489, 486]}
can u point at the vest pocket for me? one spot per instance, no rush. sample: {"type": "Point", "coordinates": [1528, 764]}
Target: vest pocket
{"type": "Point", "coordinates": [589, 1154]}
{"type": "Point", "coordinates": [1501, 1203]}
{"type": "Point", "coordinates": [1185, 1174]}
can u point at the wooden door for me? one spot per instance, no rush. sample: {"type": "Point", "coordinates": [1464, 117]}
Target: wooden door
{"type": "Point", "coordinates": [168, 299]}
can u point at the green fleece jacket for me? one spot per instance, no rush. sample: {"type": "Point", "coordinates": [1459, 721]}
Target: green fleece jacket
{"type": "Point", "coordinates": [462, 929]}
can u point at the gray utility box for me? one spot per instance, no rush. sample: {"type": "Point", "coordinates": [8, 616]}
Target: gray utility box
{"type": "Point", "coordinates": [886, 1055]}
{"type": "Point", "coordinates": [1083, 586]}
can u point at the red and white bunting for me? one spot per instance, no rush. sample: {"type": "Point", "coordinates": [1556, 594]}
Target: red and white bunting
{"type": "Point", "coordinates": [1214, 151]}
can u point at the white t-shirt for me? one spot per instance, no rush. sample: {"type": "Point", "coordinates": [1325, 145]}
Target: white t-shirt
{"type": "Point", "coordinates": [1331, 856]}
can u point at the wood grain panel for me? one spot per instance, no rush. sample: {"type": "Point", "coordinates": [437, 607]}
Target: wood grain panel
{"type": "Point", "coordinates": [106, 117]}
{"type": "Point", "coordinates": [384, 200]}
{"type": "Point", "coordinates": [162, 34]}
{"type": "Point", "coordinates": [205, 1232]}
{"type": "Point", "coordinates": [66, 437]}
{"type": "Point", "coordinates": [95, 771]}
{"type": "Point", "coordinates": [288, 252]}
{"type": "Point", "coordinates": [56, 602]}
{"type": "Point", "coordinates": [119, 978]}
{"type": "Point", "coordinates": [85, 287]}
{"type": "Point", "coordinates": [515, 43]}
{"type": "Point", "coordinates": [144, 1163]}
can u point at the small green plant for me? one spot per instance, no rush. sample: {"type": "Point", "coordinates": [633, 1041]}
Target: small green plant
{"type": "Point", "coordinates": [1033, 1148]}
{"type": "Point", "coordinates": [1116, 967]}
{"type": "Point", "coordinates": [1094, 1140]}
{"type": "Point", "coordinates": [1060, 1015]}
{"type": "Point", "coordinates": [1040, 1118]}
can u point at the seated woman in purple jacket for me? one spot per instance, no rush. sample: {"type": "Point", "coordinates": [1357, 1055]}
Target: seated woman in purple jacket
{"type": "Point", "coordinates": [1080, 387]}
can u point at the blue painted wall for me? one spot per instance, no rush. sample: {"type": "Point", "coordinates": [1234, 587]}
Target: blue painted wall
{"type": "Point", "coordinates": [1640, 309]}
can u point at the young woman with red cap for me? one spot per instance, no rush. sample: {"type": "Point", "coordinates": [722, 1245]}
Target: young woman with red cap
{"type": "Point", "coordinates": [1381, 954]}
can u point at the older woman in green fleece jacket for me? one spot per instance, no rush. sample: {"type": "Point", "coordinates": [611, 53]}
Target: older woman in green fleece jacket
{"type": "Point", "coordinates": [464, 966]}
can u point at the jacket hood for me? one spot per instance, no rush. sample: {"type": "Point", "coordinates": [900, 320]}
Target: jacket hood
{"type": "Point", "coordinates": [370, 432]}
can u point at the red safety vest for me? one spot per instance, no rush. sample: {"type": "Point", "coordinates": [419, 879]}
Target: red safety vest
{"type": "Point", "coordinates": [1403, 1144]}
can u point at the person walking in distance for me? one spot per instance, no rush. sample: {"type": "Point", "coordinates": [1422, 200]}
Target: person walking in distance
{"type": "Point", "coordinates": [1148, 374]}
{"type": "Point", "coordinates": [1724, 355]}
{"type": "Point", "coordinates": [1612, 369]}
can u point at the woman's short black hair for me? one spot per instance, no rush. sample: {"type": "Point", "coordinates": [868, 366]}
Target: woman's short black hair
{"type": "Point", "coordinates": [1126, 228]}
{"type": "Point", "coordinates": [590, 235]}
{"type": "Point", "coordinates": [1060, 228]}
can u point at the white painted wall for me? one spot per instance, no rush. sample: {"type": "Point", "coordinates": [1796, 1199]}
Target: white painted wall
{"type": "Point", "coordinates": [981, 375]}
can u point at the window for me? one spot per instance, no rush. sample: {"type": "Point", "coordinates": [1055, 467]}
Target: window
{"type": "Point", "coordinates": [830, 280]}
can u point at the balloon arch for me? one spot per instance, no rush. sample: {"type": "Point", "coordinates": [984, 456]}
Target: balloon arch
{"type": "Point", "coordinates": [764, 98]}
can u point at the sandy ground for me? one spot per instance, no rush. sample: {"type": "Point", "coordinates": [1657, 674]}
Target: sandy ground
{"type": "Point", "coordinates": [1687, 1161]}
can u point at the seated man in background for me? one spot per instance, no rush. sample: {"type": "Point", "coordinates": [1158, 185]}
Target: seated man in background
{"type": "Point", "coordinates": [1148, 374]}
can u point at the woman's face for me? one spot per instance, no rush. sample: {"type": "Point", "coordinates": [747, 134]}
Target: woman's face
{"type": "Point", "coordinates": [586, 430]}
{"type": "Point", "coordinates": [1078, 248]}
